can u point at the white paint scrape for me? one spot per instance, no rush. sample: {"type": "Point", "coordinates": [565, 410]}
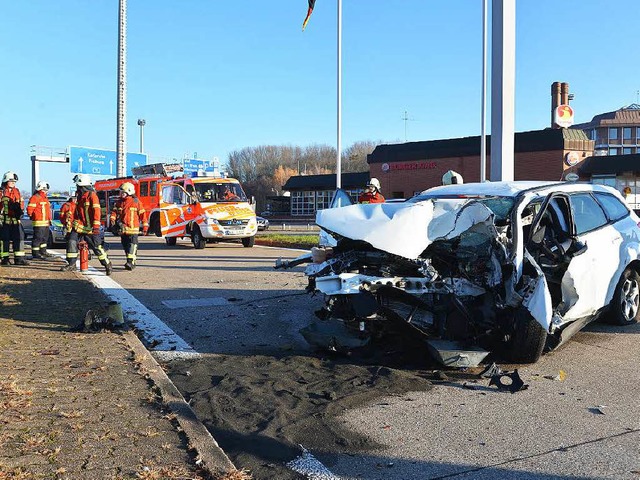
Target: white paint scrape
{"type": "Point", "coordinates": [309, 466]}
{"type": "Point", "coordinates": [155, 333]}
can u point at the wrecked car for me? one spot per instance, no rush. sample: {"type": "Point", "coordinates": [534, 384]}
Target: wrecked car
{"type": "Point", "coordinates": [510, 267]}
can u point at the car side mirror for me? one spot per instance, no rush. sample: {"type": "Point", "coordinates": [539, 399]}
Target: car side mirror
{"type": "Point", "coordinates": [577, 248]}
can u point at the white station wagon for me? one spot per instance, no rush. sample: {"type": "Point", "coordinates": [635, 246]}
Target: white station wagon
{"type": "Point", "coordinates": [511, 267]}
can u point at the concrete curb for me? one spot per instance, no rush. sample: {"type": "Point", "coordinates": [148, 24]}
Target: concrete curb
{"type": "Point", "coordinates": [210, 456]}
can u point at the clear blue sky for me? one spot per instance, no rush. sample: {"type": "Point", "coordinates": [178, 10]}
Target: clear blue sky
{"type": "Point", "coordinates": [213, 76]}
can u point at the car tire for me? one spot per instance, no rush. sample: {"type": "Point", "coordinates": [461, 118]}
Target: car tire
{"type": "Point", "coordinates": [249, 242]}
{"type": "Point", "coordinates": [171, 241]}
{"type": "Point", "coordinates": [624, 308]}
{"type": "Point", "coordinates": [154, 225]}
{"type": "Point", "coordinates": [199, 242]}
{"type": "Point", "coordinates": [528, 339]}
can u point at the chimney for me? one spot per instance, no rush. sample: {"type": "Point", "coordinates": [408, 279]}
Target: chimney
{"type": "Point", "coordinates": [556, 98]}
{"type": "Point", "coordinates": [564, 95]}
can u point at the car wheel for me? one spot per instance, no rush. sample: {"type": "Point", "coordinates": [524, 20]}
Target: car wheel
{"type": "Point", "coordinates": [171, 241]}
{"type": "Point", "coordinates": [198, 240]}
{"type": "Point", "coordinates": [154, 225]}
{"type": "Point", "coordinates": [625, 304]}
{"type": "Point", "coordinates": [528, 339]}
{"type": "Point", "coordinates": [249, 241]}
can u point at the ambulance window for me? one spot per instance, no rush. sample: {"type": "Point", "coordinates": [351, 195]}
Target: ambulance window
{"type": "Point", "coordinates": [167, 194]}
{"type": "Point", "coordinates": [144, 189]}
{"type": "Point", "coordinates": [153, 188]}
{"type": "Point", "coordinates": [177, 195]}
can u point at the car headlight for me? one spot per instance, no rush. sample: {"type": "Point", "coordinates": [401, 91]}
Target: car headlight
{"type": "Point", "coordinates": [211, 221]}
{"type": "Point", "coordinates": [58, 229]}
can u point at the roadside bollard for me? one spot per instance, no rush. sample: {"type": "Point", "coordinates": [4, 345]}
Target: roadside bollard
{"type": "Point", "coordinates": [83, 248]}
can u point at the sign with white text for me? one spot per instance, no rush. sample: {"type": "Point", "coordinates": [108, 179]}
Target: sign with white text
{"type": "Point", "coordinates": [96, 161]}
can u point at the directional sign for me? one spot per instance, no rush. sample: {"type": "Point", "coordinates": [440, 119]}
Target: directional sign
{"type": "Point", "coordinates": [95, 161]}
{"type": "Point", "coordinates": [135, 160]}
{"type": "Point", "coordinates": [193, 165]}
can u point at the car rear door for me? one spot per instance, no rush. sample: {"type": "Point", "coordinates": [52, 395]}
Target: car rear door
{"type": "Point", "coordinates": [589, 274]}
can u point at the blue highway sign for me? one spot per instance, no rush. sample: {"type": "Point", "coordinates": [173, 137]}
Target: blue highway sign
{"type": "Point", "coordinates": [95, 161]}
{"type": "Point", "coordinates": [193, 164]}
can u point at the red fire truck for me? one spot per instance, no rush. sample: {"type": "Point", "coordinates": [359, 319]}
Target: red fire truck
{"type": "Point", "coordinates": [205, 206]}
{"type": "Point", "coordinates": [146, 179]}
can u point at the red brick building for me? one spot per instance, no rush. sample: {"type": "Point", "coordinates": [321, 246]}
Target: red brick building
{"type": "Point", "coordinates": [407, 168]}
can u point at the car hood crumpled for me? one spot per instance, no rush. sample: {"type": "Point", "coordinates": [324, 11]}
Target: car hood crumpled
{"type": "Point", "coordinates": [404, 229]}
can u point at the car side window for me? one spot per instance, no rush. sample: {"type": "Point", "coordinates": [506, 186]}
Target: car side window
{"type": "Point", "coordinates": [613, 207]}
{"type": "Point", "coordinates": [587, 214]}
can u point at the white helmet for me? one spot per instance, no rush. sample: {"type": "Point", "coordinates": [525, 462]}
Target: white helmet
{"type": "Point", "coordinates": [128, 188]}
{"type": "Point", "coordinates": [374, 183]}
{"type": "Point", "coordinates": [10, 177]}
{"type": "Point", "coordinates": [82, 180]}
{"type": "Point", "coordinates": [452, 178]}
{"type": "Point", "coordinates": [42, 185]}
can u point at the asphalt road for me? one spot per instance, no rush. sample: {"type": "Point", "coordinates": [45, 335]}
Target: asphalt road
{"type": "Point", "coordinates": [585, 426]}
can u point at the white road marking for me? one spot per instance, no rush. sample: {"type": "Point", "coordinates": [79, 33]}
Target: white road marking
{"type": "Point", "coordinates": [309, 466]}
{"type": "Point", "coordinates": [154, 331]}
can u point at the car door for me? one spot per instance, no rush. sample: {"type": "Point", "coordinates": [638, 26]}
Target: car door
{"type": "Point", "coordinates": [588, 276]}
{"type": "Point", "coordinates": [174, 214]}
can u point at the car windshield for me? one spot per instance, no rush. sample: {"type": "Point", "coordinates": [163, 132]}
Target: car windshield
{"type": "Point", "coordinates": [56, 214]}
{"type": "Point", "coordinates": [500, 206]}
{"type": "Point", "coordinates": [220, 192]}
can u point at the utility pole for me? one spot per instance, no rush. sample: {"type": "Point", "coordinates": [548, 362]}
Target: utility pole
{"type": "Point", "coordinates": [121, 140]}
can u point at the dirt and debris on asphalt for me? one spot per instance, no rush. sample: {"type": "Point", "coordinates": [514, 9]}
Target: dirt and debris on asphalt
{"type": "Point", "coordinates": [263, 409]}
{"type": "Point", "coordinates": [74, 405]}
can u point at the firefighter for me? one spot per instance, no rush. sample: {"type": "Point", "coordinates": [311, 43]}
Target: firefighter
{"type": "Point", "coordinates": [371, 192]}
{"type": "Point", "coordinates": [67, 211]}
{"type": "Point", "coordinates": [11, 205]}
{"type": "Point", "coordinates": [86, 224]}
{"type": "Point", "coordinates": [127, 216]}
{"type": "Point", "coordinates": [39, 209]}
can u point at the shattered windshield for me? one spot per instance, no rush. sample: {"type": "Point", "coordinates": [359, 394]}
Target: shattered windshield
{"type": "Point", "coordinates": [500, 206]}
{"type": "Point", "coordinates": [220, 192]}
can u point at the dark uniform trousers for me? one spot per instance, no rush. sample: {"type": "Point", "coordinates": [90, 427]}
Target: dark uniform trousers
{"type": "Point", "coordinates": [94, 244]}
{"type": "Point", "coordinates": [130, 247]}
{"type": "Point", "coordinates": [39, 242]}
{"type": "Point", "coordinates": [12, 233]}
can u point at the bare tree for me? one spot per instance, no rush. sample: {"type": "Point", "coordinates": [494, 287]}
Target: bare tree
{"type": "Point", "coordinates": [354, 158]}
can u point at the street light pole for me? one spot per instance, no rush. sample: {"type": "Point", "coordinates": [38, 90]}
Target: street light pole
{"type": "Point", "coordinates": [141, 123]}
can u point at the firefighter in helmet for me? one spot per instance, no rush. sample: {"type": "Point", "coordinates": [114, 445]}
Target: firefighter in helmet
{"type": "Point", "coordinates": [11, 204]}
{"type": "Point", "coordinates": [371, 192]}
{"type": "Point", "coordinates": [127, 216]}
{"type": "Point", "coordinates": [39, 209]}
{"type": "Point", "coordinates": [86, 224]}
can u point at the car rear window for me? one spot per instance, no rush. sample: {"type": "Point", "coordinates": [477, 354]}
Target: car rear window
{"type": "Point", "coordinates": [613, 207]}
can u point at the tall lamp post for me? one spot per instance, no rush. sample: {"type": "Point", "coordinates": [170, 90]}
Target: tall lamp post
{"type": "Point", "coordinates": [141, 123]}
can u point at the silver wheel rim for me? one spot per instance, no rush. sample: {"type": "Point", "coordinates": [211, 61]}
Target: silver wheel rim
{"type": "Point", "coordinates": [630, 298]}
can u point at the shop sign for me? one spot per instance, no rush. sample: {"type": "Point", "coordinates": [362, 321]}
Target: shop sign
{"type": "Point", "coordinates": [386, 167]}
{"type": "Point", "coordinates": [572, 158]}
{"type": "Point", "coordinates": [563, 116]}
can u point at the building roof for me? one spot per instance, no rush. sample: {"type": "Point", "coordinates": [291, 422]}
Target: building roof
{"type": "Point", "coordinates": [533, 141]}
{"type": "Point", "coordinates": [629, 115]}
{"type": "Point", "coordinates": [326, 182]}
{"type": "Point", "coordinates": [610, 164]}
